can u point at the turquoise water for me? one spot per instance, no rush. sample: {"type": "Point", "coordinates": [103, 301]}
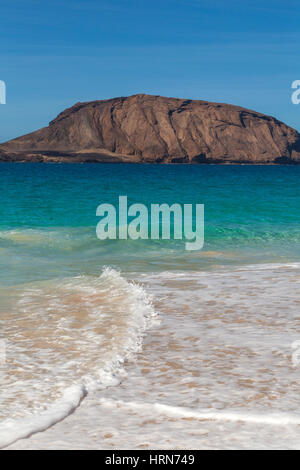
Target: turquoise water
{"type": "Point", "coordinates": [75, 311]}
{"type": "Point", "coordinates": [48, 217]}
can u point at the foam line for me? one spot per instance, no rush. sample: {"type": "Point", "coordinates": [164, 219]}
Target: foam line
{"type": "Point", "coordinates": [280, 419]}
{"type": "Point", "coordinates": [13, 430]}
{"type": "Point", "coordinates": [138, 316]}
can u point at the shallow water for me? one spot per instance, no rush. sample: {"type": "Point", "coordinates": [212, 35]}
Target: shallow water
{"type": "Point", "coordinates": [216, 364]}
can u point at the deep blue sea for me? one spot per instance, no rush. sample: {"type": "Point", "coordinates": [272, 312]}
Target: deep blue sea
{"type": "Point", "coordinates": [212, 328]}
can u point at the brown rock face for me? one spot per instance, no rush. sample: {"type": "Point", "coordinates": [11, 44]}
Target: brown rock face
{"type": "Point", "coordinates": [154, 129]}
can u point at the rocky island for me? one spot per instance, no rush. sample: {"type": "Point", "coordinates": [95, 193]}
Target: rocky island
{"type": "Point", "coordinates": [154, 129]}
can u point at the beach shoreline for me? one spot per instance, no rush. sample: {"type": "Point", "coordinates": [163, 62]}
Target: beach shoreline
{"type": "Point", "coordinates": [198, 362]}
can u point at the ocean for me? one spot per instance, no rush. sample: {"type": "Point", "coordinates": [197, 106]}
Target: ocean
{"type": "Point", "coordinates": [140, 343]}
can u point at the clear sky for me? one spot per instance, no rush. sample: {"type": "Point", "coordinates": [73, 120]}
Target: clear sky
{"type": "Point", "coordinates": [56, 53]}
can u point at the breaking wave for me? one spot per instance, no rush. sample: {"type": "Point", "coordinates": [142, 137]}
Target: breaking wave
{"type": "Point", "coordinates": [64, 340]}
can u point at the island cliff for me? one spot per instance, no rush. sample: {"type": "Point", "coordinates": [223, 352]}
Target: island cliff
{"type": "Point", "coordinates": [155, 129]}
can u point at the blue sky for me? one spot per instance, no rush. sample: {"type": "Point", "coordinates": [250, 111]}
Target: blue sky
{"type": "Point", "coordinates": [56, 53]}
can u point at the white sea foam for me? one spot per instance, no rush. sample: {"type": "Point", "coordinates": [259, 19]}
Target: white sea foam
{"type": "Point", "coordinates": [66, 339]}
{"type": "Point", "coordinates": [12, 430]}
{"type": "Point", "coordinates": [280, 419]}
{"type": "Point", "coordinates": [218, 373]}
